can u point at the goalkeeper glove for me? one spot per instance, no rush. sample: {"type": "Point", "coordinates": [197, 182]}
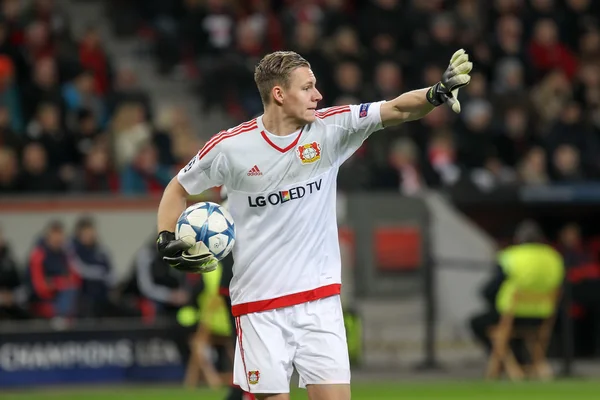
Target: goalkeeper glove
{"type": "Point", "coordinates": [455, 77]}
{"type": "Point", "coordinates": [175, 253]}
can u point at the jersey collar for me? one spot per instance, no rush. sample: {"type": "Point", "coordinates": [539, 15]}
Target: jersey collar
{"type": "Point", "coordinates": [265, 136]}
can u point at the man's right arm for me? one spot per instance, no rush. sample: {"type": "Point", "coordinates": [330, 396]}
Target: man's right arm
{"type": "Point", "coordinates": [172, 204]}
{"type": "Point", "coordinates": [207, 169]}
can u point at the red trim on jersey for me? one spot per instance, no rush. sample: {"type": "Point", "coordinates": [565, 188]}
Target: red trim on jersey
{"type": "Point", "coordinates": [238, 331]}
{"type": "Point", "coordinates": [287, 300]}
{"type": "Point", "coordinates": [222, 133]}
{"type": "Point", "coordinates": [209, 146]}
{"type": "Point", "coordinates": [332, 111]}
{"type": "Point", "coordinates": [333, 108]}
{"type": "Point", "coordinates": [243, 126]}
{"type": "Point", "coordinates": [330, 114]}
{"type": "Point", "coordinates": [288, 147]}
{"type": "Point", "coordinates": [212, 139]}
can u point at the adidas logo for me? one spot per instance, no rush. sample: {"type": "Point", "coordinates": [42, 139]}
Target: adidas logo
{"type": "Point", "coordinates": [254, 171]}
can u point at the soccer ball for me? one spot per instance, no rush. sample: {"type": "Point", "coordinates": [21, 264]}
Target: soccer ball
{"type": "Point", "coordinates": [207, 226]}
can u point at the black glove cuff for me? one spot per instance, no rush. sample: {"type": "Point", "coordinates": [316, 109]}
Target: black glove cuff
{"type": "Point", "coordinates": [435, 95]}
{"type": "Point", "coordinates": [164, 237]}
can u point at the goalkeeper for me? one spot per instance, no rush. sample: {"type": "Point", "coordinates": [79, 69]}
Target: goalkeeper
{"type": "Point", "coordinates": [296, 292]}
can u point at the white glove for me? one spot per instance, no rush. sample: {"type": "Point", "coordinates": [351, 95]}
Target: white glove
{"type": "Point", "coordinates": [200, 262]}
{"type": "Point", "coordinates": [455, 77]}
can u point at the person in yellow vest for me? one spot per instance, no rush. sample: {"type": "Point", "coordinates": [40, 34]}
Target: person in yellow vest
{"type": "Point", "coordinates": [210, 309]}
{"type": "Point", "coordinates": [529, 264]}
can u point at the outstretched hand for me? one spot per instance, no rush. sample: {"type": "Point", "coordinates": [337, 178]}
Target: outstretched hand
{"type": "Point", "coordinates": [455, 77]}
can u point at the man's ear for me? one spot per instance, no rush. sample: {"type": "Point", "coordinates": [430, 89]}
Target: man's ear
{"type": "Point", "coordinates": [277, 93]}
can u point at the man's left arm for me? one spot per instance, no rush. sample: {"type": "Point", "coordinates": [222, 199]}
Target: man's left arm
{"type": "Point", "coordinates": [416, 104]}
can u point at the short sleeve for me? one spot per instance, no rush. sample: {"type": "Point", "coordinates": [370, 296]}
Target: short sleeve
{"type": "Point", "coordinates": [207, 169]}
{"type": "Point", "coordinates": [352, 125]}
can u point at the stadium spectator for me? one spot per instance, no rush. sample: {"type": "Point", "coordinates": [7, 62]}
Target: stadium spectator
{"type": "Point", "coordinates": [156, 288]}
{"type": "Point", "coordinates": [9, 171]}
{"type": "Point", "coordinates": [8, 137]}
{"type": "Point", "coordinates": [549, 98]}
{"type": "Point", "coordinates": [80, 94]}
{"type": "Point", "coordinates": [46, 130]}
{"type": "Point", "coordinates": [403, 173]}
{"type": "Point", "coordinates": [86, 136]}
{"type": "Point", "coordinates": [566, 163]}
{"type": "Point", "coordinates": [493, 175]}
{"type": "Point", "coordinates": [38, 43]}
{"type": "Point", "coordinates": [348, 82]}
{"type": "Point", "coordinates": [583, 273]}
{"type": "Point", "coordinates": [94, 265]}
{"type": "Point", "coordinates": [145, 175]}
{"type": "Point", "coordinates": [475, 140]}
{"type": "Point", "coordinates": [532, 170]}
{"type": "Point", "coordinates": [387, 80]}
{"type": "Point", "coordinates": [50, 13]}
{"type": "Point", "coordinates": [382, 35]}
{"type": "Point", "coordinates": [126, 90]}
{"type": "Point", "coordinates": [53, 278]}
{"type": "Point", "coordinates": [570, 245]}
{"type": "Point", "coordinates": [96, 175]}
{"type": "Point", "coordinates": [43, 88]}
{"type": "Point", "coordinates": [36, 175]}
{"type": "Point", "coordinates": [548, 53]}
{"type": "Point", "coordinates": [13, 291]}
{"type": "Point", "coordinates": [129, 130]}
{"type": "Point", "coordinates": [441, 154]}
{"type": "Point", "coordinates": [9, 93]}
{"type": "Point", "coordinates": [10, 32]}
{"type": "Point", "coordinates": [93, 58]}
{"type": "Point", "coordinates": [514, 137]}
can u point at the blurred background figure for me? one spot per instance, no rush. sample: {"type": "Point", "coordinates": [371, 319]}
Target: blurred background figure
{"type": "Point", "coordinates": [529, 265]}
{"type": "Point", "coordinates": [53, 276]}
{"type": "Point", "coordinates": [13, 290]}
{"type": "Point", "coordinates": [94, 265]}
{"type": "Point", "coordinates": [156, 290]}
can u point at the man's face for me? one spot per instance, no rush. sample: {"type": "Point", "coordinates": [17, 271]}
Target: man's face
{"type": "Point", "coordinates": [87, 236]}
{"type": "Point", "coordinates": [301, 97]}
{"type": "Point", "coordinates": [56, 239]}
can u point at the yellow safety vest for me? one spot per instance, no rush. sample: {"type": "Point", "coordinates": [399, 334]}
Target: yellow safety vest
{"type": "Point", "coordinates": [531, 267]}
{"type": "Point", "coordinates": [212, 310]}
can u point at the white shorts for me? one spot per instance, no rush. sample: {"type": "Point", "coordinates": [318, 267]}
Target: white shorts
{"type": "Point", "coordinates": [310, 337]}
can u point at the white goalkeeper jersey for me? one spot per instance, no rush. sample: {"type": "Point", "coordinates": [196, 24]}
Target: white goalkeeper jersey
{"type": "Point", "coordinates": [282, 196]}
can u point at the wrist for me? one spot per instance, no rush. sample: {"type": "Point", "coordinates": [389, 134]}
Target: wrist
{"type": "Point", "coordinates": [435, 95]}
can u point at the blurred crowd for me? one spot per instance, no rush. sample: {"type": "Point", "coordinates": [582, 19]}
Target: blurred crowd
{"type": "Point", "coordinates": [530, 116]}
{"type": "Point", "coordinates": [72, 119]}
{"type": "Point", "coordinates": [70, 274]}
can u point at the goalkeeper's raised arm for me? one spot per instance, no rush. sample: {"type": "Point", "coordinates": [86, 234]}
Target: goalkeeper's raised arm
{"type": "Point", "coordinates": [416, 104]}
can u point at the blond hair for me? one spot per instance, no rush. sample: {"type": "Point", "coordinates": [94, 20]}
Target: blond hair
{"type": "Point", "coordinates": [275, 69]}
